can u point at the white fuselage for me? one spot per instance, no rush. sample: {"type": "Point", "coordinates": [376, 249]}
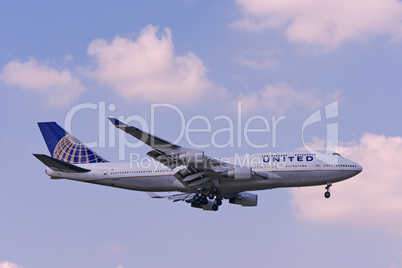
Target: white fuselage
{"type": "Point", "coordinates": [278, 170]}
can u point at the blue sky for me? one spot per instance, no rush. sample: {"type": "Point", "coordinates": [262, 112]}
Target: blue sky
{"type": "Point", "coordinates": [279, 59]}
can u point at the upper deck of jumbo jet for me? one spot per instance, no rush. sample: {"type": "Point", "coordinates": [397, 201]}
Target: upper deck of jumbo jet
{"type": "Point", "coordinates": [322, 159]}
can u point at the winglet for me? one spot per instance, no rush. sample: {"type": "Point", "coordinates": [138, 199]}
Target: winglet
{"type": "Point", "coordinates": [116, 122]}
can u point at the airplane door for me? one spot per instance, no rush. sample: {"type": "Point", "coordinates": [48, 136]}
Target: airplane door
{"type": "Point", "coordinates": [105, 173]}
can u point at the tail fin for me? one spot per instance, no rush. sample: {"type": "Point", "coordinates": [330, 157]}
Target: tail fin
{"type": "Point", "coordinates": [65, 147]}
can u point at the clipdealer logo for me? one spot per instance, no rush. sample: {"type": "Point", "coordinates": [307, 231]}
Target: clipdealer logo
{"type": "Point", "coordinates": [238, 128]}
{"type": "Point", "coordinates": [332, 138]}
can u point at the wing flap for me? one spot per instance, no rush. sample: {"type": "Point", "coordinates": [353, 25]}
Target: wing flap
{"type": "Point", "coordinates": [199, 182]}
{"type": "Point", "coordinates": [170, 162]}
{"type": "Point", "coordinates": [194, 176]}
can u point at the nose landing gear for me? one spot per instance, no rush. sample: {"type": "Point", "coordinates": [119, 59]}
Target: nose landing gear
{"type": "Point", "coordinates": [327, 194]}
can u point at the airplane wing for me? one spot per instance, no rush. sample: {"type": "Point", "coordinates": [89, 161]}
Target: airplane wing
{"type": "Point", "coordinates": [169, 154]}
{"type": "Point", "coordinates": [146, 138]}
{"type": "Point", "coordinates": [198, 170]}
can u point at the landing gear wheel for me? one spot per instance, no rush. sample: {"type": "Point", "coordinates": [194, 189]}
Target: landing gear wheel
{"type": "Point", "coordinates": [211, 195]}
{"type": "Point", "coordinates": [218, 202]}
{"type": "Point", "coordinates": [204, 201]}
{"type": "Point", "coordinates": [327, 193]}
{"type": "Point", "coordinates": [215, 207]}
{"type": "Point", "coordinates": [196, 204]}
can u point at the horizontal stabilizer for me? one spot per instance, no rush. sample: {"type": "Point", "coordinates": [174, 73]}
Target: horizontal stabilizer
{"type": "Point", "coordinates": [58, 165]}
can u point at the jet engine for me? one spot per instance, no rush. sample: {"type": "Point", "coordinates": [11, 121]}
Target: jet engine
{"type": "Point", "coordinates": [244, 199]}
{"type": "Point", "coordinates": [239, 173]}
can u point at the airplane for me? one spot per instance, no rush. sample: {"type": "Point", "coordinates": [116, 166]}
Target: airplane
{"type": "Point", "coordinates": [200, 180]}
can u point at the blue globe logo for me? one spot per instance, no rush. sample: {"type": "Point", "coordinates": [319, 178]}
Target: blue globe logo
{"type": "Point", "coordinates": [72, 151]}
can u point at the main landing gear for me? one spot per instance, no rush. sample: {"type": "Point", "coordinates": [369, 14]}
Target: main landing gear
{"type": "Point", "coordinates": [327, 194]}
{"type": "Point", "coordinates": [201, 198]}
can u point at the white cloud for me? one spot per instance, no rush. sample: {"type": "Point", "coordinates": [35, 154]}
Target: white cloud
{"type": "Point", "coordinates": [370, 200]}
{"type": "Point", "coordinates": [148, 69]}
{"type": "Point", "coordinates": [8, 265]}
{"type": "Point", "coordinates": [58, 87]}
{"type": "Point", "coordinates": [324, 24]}
{"type": "Point", "coordinates": [280, 97]}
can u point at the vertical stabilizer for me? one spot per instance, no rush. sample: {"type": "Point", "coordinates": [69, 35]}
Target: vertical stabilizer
{"type": "Point", "coordinates": [65, 147]}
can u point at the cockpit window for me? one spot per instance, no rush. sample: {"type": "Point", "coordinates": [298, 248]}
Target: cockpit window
{"type": "Point", "coordinates": [336, 154]}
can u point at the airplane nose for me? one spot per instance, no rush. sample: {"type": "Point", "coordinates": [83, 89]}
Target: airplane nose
{"type": "Point", "coordinates": [358, 169]}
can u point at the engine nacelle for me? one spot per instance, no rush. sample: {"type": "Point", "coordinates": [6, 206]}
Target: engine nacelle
{"type": "Point", "coordinates": [245, 199]}
{"type": "Point", "coordinates": [239, 173]}
{"type": "Point", "coordinates": [192, 157]}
